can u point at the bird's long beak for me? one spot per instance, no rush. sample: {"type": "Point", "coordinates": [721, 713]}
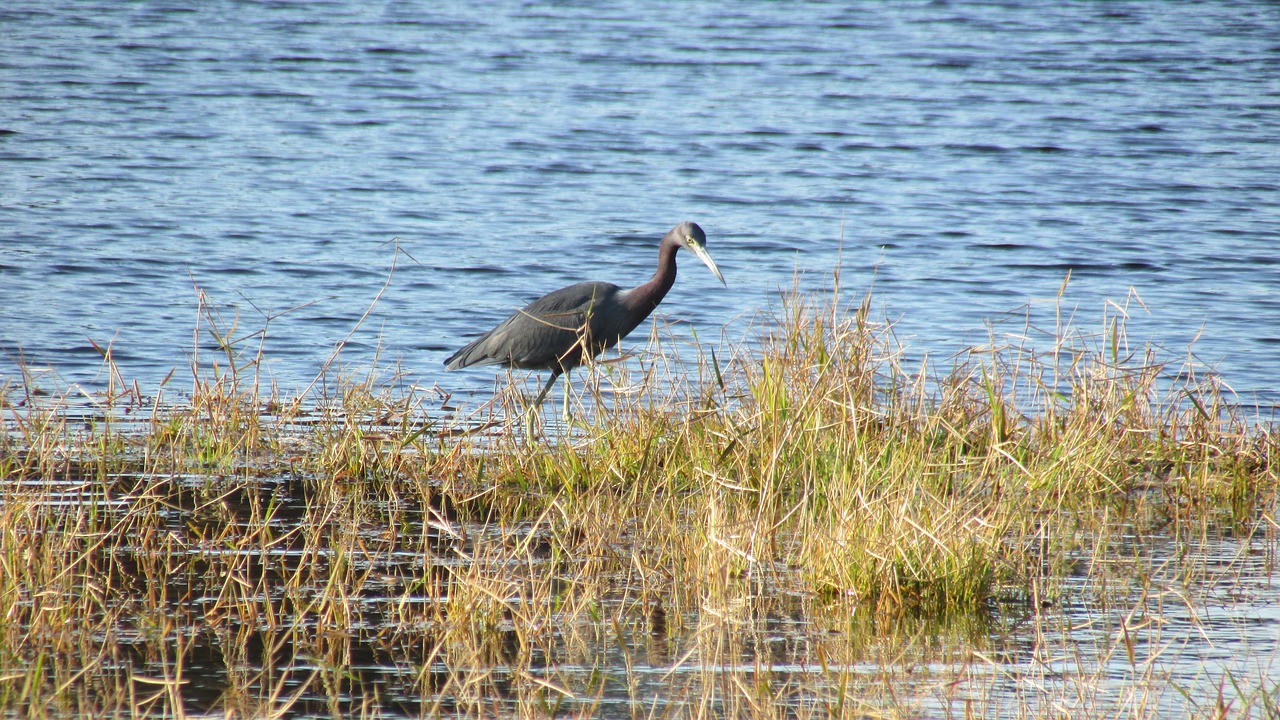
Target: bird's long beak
{"type": "Point", "coordinates": [705, 257]}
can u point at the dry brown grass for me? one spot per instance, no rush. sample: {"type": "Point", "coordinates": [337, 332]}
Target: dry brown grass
{"type": "Point", "coordinates": [800, 527]}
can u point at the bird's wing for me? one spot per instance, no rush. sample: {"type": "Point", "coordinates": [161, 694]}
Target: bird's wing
{"type": "Point", "coordinates": [540, 334]}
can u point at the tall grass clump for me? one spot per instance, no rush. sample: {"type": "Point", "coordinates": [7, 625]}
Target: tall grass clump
{"type": "Point", "coordinates": [901, 490]}
{"type": "Point", "coordinates": [856, 474]}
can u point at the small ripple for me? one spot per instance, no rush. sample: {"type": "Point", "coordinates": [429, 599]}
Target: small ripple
{"type": "Point", "coordinates": [1077, 268]}
{"type": "Point", "coordinates": [234, 271]}
{"type": "Point", "coordinates": [723, 200]}
{"type": "Point", "coordinates": [977, 149]}
{"type": "Point", "coordinates": [1001, 246]}
{"type": "Point", "coordinates": [874, 146]}
{"type": "Point", "coordinates": [1140, 266]}
{"type": "Point", "coordinates": [565, 168]}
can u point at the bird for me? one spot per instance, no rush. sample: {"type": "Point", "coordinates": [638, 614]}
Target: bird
{"type": "Point", "coordinates": [564, 328]}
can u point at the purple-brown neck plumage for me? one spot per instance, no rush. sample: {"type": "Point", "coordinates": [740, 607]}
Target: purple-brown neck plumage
{"type": "Point", "coordinates": [644, 298]}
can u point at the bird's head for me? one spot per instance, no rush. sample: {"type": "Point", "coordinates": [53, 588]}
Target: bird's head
{"type": "Point", "coordinates": [689, 236]}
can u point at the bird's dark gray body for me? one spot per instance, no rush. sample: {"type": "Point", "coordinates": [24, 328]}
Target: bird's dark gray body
{"type": "Point", "coordinates": [551, 332]}
{"type": "Point", "coordinates": [561, 329]}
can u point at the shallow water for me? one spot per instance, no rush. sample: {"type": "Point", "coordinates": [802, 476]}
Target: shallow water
{"type": "Point", "coordinates": [959, 158]}
{"type": "Point", "coordinates": [247, 616]}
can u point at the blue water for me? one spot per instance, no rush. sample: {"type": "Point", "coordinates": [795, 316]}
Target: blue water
{"type": "Point", "coordinates": [969, 154]}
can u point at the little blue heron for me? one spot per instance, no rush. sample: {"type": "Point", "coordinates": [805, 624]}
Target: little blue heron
{"type": "Point", "coordinates": [559, 330]}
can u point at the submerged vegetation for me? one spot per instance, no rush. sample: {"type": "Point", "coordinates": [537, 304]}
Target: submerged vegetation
{"type": "Point", "coordinates": [797, 526]}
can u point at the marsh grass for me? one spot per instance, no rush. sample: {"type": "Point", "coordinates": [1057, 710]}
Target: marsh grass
{"type": "Point", "coordinates": [798, 525]}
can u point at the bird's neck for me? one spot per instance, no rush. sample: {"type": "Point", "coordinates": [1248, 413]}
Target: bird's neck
{"type": "Point", "coordinates": [651, 293]}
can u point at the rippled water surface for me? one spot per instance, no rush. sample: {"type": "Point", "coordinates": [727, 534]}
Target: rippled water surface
{"type": "Point", "coordinates": [971, 155]}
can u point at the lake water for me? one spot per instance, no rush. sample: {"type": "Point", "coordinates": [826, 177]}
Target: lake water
{"type": "Point", "coordinates": [958, 158]}
{"type": "Point", "coordinates": [962, 158]}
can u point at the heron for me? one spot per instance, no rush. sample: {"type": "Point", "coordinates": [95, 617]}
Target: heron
{"type": "Point", "coordinates": [564, 328]}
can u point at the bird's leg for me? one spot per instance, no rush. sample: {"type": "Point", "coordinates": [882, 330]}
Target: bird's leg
{"type": "Point", "coordinates": [566, 386]}
{"type": "Point", "coordinates": [531, 411]}
{"type": "Point", "coordinates": [546, 388]}
{"type": "Point", "coordinates": [530, 420]}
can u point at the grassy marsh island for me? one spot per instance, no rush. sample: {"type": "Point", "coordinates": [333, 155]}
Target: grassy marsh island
{"type": "Point", "coordinates": [800, 526]}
